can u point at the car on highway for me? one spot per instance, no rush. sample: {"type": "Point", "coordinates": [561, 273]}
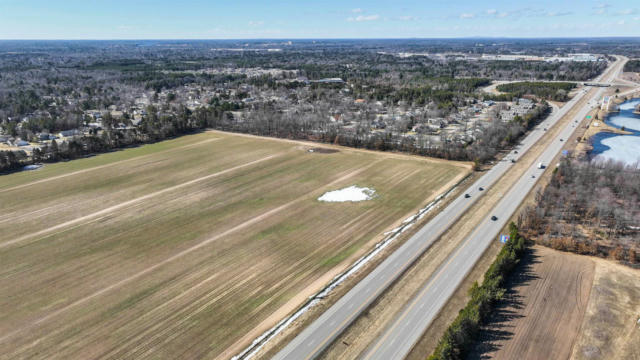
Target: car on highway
{"type": "Point", "coordinates": [513, 160]}
{"type": "Point", "coordinates": [494, 218]}
{"type": "Point", "coordinates": [466, 196]}
{"type": "Point", "coordinates": [480, 188]}
{"type": "Point", "coordinates": [561, 139]}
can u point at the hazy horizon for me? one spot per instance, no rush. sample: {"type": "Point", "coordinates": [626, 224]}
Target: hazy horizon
{"type": "Point", "coordinates": [200, 20]}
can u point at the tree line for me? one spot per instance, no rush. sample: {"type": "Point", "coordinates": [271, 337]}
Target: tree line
{"type": "Point", "coordinates": [464, 331]}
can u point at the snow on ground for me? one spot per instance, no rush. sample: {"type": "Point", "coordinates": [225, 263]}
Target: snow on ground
{"type": "Point", "coordinates": [629, 105]}
{"type": "Point", "coordinates": [351, 193]}
{"type": "Point", "coordinates": [625, 148]}
{"type": "Point", "coordinates": [626, 117]}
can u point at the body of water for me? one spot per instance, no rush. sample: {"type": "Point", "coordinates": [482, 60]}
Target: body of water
{"type": "Point", "coordinates": [624, 148]}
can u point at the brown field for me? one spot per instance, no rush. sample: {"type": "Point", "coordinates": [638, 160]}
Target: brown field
{"type": "Point", "coordinates": [180, 248]}
{"type": "Point", "coordinates": [543, 311]}
{"type": "Point", "coordinates": [610, 329]}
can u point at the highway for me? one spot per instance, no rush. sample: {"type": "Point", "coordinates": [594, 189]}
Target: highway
{"type": "Point", "coordinates": [400, 336]}
{"type": "Point", "coordinates": [398, 339]}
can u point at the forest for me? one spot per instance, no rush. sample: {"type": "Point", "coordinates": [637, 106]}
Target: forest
{"type": "Point", "coordinates": [556, 91]}
{"type": "Point", "coordinates": [588, 208]}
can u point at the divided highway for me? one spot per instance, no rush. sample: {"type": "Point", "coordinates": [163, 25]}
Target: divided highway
{"type": "Point", "coordinates": [406, 330]}
{"type": "Point", "coordinates": [399, 338]}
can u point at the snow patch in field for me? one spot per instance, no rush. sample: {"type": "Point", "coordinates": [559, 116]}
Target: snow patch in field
{"type": "Point", "coordinates": [313, 300]}
{"type": "Point", "coordinates": [351, 193]}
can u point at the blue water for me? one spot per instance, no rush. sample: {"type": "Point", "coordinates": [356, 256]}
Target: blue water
{"type": "Point", "coordinates": [623, 148]}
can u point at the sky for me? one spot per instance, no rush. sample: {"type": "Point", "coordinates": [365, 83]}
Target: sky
{"type": "Point", "coordinates": [237, 19]}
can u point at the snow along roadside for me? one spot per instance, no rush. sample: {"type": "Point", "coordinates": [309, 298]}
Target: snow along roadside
{"type": "Point", "coordinates": [313, 300]}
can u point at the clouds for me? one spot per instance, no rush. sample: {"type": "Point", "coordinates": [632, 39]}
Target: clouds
{"type": "Point", "coordinates": [361, 18]}
{"type": "Point", "coordinates": [607, 10]}
{"type": "Point", "coordinates": [602, 8]}
{"type": "Point", "coordinates": [467, 16]}
{"type": "Point", "coordinates": [407, 18]}
{"type": "Point", "coordinates": [627, 12]}
{"type": "Point", "coordinates": [559, 13]}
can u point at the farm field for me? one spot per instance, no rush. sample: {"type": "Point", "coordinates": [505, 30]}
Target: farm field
{"type": "Point", "coordinates": [178, 249]}
{"type": "Point", "coordinates": [544, 308]}
{"type": "Point", "coordinates": [566, 306]}
{"type": "Point", "coordinates": [611, 328]}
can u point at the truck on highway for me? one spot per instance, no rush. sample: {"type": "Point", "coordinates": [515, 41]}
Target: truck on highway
{"type": "Point", "coordinates": [540, 166]}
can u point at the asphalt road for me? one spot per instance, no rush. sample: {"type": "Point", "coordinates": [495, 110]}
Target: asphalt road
{"type": "Point", "coordinates": [410, 324]}
{"type": "Point", "coordinates": [413, 320]}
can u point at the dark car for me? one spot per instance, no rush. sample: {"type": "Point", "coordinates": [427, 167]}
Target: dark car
{"type": "Point", "coordinates": [513, 160]}
{"type": "Point", "coordinates": [515, 151]}
{"type": "Point", "coordinates": [466, 196]}
{"type": "Point", "coordinates": [480, 188]}
{"type": "Point", "coordinates": [561, 139]}
{"type": "Point", "coordinates": [494, 218]}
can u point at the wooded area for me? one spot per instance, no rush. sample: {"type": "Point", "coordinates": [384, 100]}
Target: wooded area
{"type": "Point", "coordinates": [557, 91]}
{"type": "Point", "coordinates": [632, 66]}
{"type": "Point", "coordinates": [588, 208]}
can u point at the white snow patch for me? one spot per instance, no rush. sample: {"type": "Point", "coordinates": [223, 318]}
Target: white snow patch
{"type": "Point", "coordinates": [351, 193]}
{"type": "Point", "coordinates": [623, 148]}
{"type": "Point", "coordinates": [313, 300]}
{"type": "Point", "coordinates": [629, 105]}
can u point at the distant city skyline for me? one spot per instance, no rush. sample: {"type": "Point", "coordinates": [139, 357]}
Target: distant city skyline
{"type": "Point", "coordinates": [200, 19]}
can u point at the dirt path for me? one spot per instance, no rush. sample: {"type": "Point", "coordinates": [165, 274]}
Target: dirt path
{"type": "Point", "coordinates": [544, 308]}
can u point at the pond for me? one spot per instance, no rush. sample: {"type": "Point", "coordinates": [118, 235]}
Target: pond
{"type": "Point", "coordinates": [624, 148]}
